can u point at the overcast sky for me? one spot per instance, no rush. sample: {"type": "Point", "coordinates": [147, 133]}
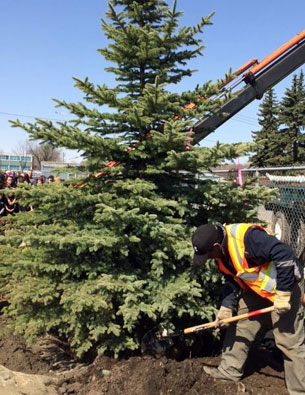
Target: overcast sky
{"type": "Point", "coordinates": [45, 43]}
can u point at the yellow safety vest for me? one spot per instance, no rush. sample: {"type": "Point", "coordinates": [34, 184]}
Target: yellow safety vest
{"type": "Point", "coordinates": [261, 279]}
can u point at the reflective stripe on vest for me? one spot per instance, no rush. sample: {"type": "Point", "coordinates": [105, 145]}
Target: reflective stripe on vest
{"type": "Point", "coordinates": [261, 279]}
{"type": "Point", "coordinates": [268, 278]}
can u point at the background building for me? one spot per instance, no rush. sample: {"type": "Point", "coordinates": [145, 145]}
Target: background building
{"type": "Point", "coordinates": [15, 162]}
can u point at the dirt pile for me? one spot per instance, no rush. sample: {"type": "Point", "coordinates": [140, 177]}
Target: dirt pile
{"type": "Point", "coordinates": [142, 375]}
{"type": "Point", "coordinates": [150, 376]}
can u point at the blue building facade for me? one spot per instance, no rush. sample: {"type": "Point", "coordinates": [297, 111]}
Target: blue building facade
{"type": "Point", "coordinates": [15, 162]}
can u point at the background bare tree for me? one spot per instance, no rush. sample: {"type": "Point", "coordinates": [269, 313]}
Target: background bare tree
{"type": "Point", "coordinates": [43, 153]}
{"type": "Point", "coordinates": [21, 150]}
{"type": "Point", "coordinates": [40, 153]}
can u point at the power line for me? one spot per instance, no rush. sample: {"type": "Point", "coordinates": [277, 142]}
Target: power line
{"type": "Point", "coordinates": [239, 118]}
{"type": "Point", "coordinates": [247, 117]}
{"type": "Point", "coordinates": [245, 122]}
{"type": "Point", "coordinates": [55, 119]}
{"type": "Point", "coordinates": [29, 116]}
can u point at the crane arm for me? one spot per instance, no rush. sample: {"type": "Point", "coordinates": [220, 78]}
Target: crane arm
{"type": "Point", "coordinates": [261, 77]}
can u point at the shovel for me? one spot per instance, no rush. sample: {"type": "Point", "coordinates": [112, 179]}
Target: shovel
{"type": "Point", "coordinates": [157, 340]}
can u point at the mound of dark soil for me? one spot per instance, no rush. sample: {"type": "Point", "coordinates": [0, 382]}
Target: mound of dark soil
{"type": "Point", "coordinates": [150, 376]}
{"type": "Point", "coordinates": [14, 354]}
{"type": "Point", "coordinates": [142, 375]}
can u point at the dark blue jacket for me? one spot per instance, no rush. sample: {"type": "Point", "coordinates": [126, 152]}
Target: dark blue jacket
{"type": "Point", "coordinates": [260, 248]}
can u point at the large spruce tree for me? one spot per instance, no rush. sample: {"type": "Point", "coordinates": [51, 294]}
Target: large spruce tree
{"type": "Point", "coordinates": [268, 147]}
{"type": "Point", "coordinates": [99, 261]}
{"type": "Point", "coordinates": [292, 120]}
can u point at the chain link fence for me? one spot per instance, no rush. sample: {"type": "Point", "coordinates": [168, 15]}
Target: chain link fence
{"type": "Point", "coordinates": [285, 215]}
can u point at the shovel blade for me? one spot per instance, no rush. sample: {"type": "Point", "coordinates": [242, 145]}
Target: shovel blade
{"type": "Point", "coordinates": [156, 341]}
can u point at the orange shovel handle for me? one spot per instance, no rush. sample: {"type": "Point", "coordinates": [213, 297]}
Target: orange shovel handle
{"type": "Point", "coordinates": [228, 320]}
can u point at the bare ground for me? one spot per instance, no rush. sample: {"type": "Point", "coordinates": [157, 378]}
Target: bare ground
{"type": "Point", "coordinates": [138, 375]}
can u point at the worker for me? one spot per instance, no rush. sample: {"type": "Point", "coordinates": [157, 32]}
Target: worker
{"type": "Point", "coordinates": [259, 270]}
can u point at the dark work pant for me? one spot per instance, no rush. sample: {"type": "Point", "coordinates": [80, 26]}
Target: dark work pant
{"type": "Point", "coordinates": [289, 336]}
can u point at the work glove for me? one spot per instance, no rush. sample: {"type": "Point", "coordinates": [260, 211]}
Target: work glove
{"type": "Point", "coordinates": [224, 312]}
{"type": "Point", "coordinates": [282, 302]}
